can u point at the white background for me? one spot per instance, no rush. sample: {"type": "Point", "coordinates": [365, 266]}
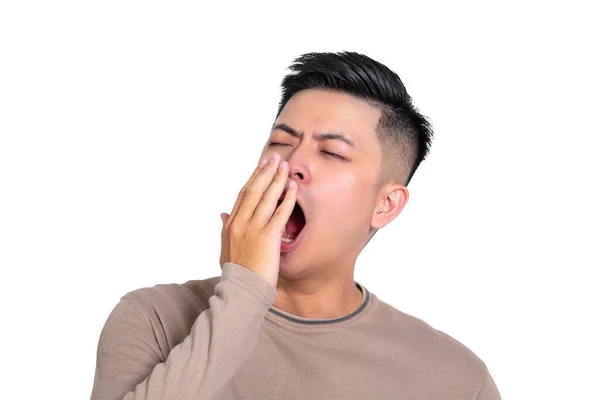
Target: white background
{"type": "Point", "coordinates": [127, 127]}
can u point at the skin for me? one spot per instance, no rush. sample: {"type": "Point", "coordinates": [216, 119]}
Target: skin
{"type": "Point", "coordinates": [340, 200]}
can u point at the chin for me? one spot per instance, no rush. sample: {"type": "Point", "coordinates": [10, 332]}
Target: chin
{"type": "Point", "coordinates": [289, 264]}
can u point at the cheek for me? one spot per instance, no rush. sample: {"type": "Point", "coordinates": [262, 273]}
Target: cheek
{"type": "Point", "coordinates": [344, 199]}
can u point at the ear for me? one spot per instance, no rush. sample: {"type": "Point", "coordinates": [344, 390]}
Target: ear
{"type": "Point", "coordinates": [390, 202]}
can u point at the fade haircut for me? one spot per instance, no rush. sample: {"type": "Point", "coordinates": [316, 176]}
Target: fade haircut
{"type": "Point", "coordinates": [403, 134]}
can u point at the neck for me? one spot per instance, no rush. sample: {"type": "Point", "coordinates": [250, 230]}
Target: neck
{"type": "Point", "coordinates": [318, 298]}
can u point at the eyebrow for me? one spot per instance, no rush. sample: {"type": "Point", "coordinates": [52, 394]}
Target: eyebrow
{"type": "Point", "coordinates": [317, 136]}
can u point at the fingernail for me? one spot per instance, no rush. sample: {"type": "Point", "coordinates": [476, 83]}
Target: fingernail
{"type": "Point", "coordinates": [281, 165]}
{"type": "Point", "coordinates": [263, 162]}
{"type": "Point", "coordinates": [274, 158]}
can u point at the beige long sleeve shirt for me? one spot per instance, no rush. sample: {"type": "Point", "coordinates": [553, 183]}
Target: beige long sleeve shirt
{"type": "Point", "coordinates": [221, 338]}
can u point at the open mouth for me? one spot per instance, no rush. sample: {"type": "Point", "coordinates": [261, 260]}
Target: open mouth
{"type": "Point", "coordinates": [294, 225]}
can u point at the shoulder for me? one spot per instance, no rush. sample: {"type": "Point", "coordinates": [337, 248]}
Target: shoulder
{"type": "Point", "coordinates": [171, 309]}
{"type": "Point", "coordinates": [174, 296]}
{"type": "Point", "coordinates": [438, 354]}
{"type": "Point", "coordinates": [422, 336]}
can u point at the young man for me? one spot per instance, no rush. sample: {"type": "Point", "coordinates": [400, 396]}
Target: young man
{"type": "Point", "coordinates": [286, 320]}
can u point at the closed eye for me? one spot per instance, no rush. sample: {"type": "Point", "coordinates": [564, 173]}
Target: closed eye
{"type": "Point", "coordinates": [334, 155]}
{"type": "Point", "coordinates": [326, 152]}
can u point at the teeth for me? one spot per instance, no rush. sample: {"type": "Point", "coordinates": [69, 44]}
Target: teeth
{"type": "Point", "coordinates": [286, 240]}
{"type": "Point", "coordinates": [287, 235]}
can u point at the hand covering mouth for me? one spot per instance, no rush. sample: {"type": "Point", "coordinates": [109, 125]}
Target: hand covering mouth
{"type": "Point", "coordinates": [296, 222]}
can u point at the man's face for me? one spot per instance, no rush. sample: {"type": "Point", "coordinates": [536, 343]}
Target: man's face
{"type": "Point", "coordinates": [338, 196]}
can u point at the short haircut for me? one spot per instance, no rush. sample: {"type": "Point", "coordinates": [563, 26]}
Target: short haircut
{"type": "Point", "coordinates": [403, 134]}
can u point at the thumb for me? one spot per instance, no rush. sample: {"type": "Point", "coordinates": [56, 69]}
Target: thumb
{"type": "Point", "coordinates": [224, 218]}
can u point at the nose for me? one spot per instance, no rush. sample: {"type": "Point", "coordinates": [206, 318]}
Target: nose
{"type": "Point", "coordinates": [299, 167]}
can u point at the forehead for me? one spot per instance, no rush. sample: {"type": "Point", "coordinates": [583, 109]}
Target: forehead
{"type": "Point", "coordinates": [316, 110]}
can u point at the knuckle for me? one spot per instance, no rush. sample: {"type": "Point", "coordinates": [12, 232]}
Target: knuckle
{"type": "Point", "coordinates": [235, 231]}
{"type": "Point", "coordinates": [263, 234]}
{"type": "Point", "coordinates": [279, 212]}
{"type": "Point", "coordinates": [252, 228]}
{"type": "Point", "coordinates": [263, 200]}
{"type": "Point", "coordinates": [250, 189]}
{"type": "Point", "coordinates": [250, 193]}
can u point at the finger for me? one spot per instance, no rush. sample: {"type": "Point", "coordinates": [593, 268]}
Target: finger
{"type": "Point", "coordinates": [268, 202]}
{"type": "Point", "coordinates": [284, 211]}
{"type": "Point", "coordinates": [242, 192]}
{"type": "Point", "coordinates": [256, 189]}
{"type": "Point", "coordinates": [224, 218]}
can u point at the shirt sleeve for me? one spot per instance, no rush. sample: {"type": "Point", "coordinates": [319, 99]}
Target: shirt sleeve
{"type": "Point", "coordinates": [129, 365]}
{"type": "Point", "coordinates": [488, 390]}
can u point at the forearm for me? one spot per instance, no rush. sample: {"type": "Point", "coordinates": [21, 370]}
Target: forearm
{"type": "Point", "coordinates": [220, 341]}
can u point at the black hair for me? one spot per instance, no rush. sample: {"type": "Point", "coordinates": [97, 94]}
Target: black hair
{"type": "Point", "coordinates": [404, 135]}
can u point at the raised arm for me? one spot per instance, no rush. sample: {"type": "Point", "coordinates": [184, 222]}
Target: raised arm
{"type": "Point", "coordinates": [129, 361]}
{"type": "Point", "coordinates": [129, 364]}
